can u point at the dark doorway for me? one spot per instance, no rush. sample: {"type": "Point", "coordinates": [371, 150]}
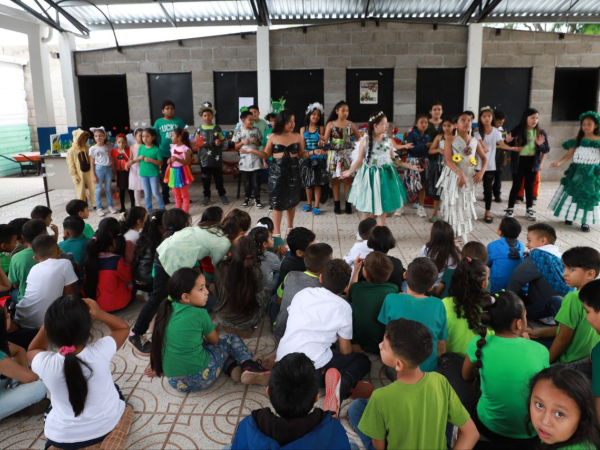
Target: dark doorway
{"type": "Point", "coordinates": [104, 102]}
{"type": "Point", "coordinates": [446, 86]}
{"type": "Point", "coordinates": [176, 87]}
{"type": "Point", "coordinates": [508, 90]}
{"type": "Point", "coordinates": [575, 91]}
{"type": "Point", "coordinates": [229, 87]}
{"type": "Point", "coordinates": [299, 88]}
{"type": "Point", "coordinates": [360, 112]}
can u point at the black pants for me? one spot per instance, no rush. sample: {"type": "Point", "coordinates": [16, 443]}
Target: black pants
{"type": "Point", "coordinates": [251, 184]}
{"type": "Point", "coordinates": [22, 337]}
{"type": "Point", "coordinates": [165, 186]}
{"type": "Point", "coordinates": [499, 171]}
{"type": "Point", "coordinates": [524, 172]}
{"type": "Point", "coordinates": [207, 174]}
{"type": "Point", "coordinates": [122, 197]}
{"type": "Point", "coordinates": [488, 186]}
{"type": "Point", "coordinates": [451, 367]}
{"type": "Point", "coordinates": [159, 293]}
{"type": "Point", "coordinates": [355, 365]}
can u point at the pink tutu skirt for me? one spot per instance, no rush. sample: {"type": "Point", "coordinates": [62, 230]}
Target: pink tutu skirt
{"type": "Point", "coordinates": [178, 177]}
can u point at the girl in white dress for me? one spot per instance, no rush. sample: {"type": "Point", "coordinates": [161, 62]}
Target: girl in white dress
{"type": "Point", "coordinates": [135, 182]}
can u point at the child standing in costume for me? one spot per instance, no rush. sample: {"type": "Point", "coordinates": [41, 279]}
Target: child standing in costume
{"type": "Point", "coordinates": [313, 170]}
{"type": "Point", "coordinates": [457, 182]}
{"type": "Point", "coordinates": [436, 163]}
{"type": "Point", "coordinates": [78, 160]}
{"type": "Point", "coordinates": [135, 181]}
{"type": "Point", "coordinates": [179, 173]}
{"type": "Point", "coordinates": [121, 157]}
{"type": "Point", "coordinates": [416, 181]}
{"type": "Point", "coordinates": [338, 134]}
{"type": "Point", "coordinates": [578, 196]}
{"type": "Point", "coordinates": [101, 167]}
{"type": "Point", "coordinates": [377, 189]}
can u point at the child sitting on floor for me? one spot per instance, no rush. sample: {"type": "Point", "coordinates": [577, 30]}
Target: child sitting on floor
{"type": "Point", "coordinates": [133, 222]}
{"type": "Point", "coordinates": [293, 391]}
{"type": "Point", "coordinates": [424, 402]}
{"type": "Point", "coordinates": [505, 254]}
{"type": "Point", "coordinates": [590, 297]}
{"type": "Point", "coordinates": [74, 243]}
{"type": "Point", "coordinates": [145, 248]}
{"type": "Point", "coordinates": [17, 224]}
{"type": "Point", "coordinates": [382, 240]}
{"type": "Point", "coordinates": [8, 242]}
{"type": "Point", "coordinates": [22, 262]}
{"type": "Point", "coordinates": [80, 208]}
{"type": "Point", "coordinates": [365, 228]}
{"type": "Point", "coordinates": [297, 239]}
{"type": "Point", "coordinates": [269, 262]}
{"type": "Point", "coordinates": [473, 250]}
{"type": "Point", "coordinates": [279, 247]}
{"type": "Point", "coordinates": [44, 213]}
{"type": "Point", "coordinates": [441, 248]}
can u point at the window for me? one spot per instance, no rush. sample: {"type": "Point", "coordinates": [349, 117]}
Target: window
{"type": "Point", "coordinates": [575, 91]}
{"type": "Point", "coordinates": [446, 86]}
{"type": "Point", "coordinates": [176, 87]}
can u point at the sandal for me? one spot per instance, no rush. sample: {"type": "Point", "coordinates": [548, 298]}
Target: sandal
{"type": "Point", "coordinates": [316, 211]}
{"type": "Point", "coordinates": [488, 219]}
{"type": "Point", "coordinates": [306, 208]}
{"type": "Point", "coordinates": [433, 219]}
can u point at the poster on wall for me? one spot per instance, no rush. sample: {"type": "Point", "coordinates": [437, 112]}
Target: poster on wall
{"type": "Point", "coordinates": [368, 92]}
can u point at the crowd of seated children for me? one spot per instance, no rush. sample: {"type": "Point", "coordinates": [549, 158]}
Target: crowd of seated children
{"type": "Point", "coordinates": [473, 250]}
{"type": "Point", "coordinates": [361, 248]}
{"type": "Point", "coordinates": [382, 240]}
{"type": "Point", "coordinates": [505, 254]}
{"type": "Point", "coordinates": [441, 248]}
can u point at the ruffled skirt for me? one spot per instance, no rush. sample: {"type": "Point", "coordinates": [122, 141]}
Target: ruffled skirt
{"type": "Point", "coordinates": [415, 181]}
{"type": "Point", "coordinates": [377, 190]}
{"type": "Point", "coordinates": [434, 172]}
{"type": "Point", "coordinates": [578, 196]}
{"type": "Point", "coordinates": [457, 204]}
{"type": "Point", "coordinates": [177, 177]}
{"type": "Point", "coordinates": [338, 161]}
{"type": "Point", "coordinates": [313, 171]}
{"type": "Point", "coordinates": [285, 186]}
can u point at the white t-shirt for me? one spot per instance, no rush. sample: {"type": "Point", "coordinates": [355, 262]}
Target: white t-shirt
{"type": "Point", "coordinates": [490, 141]}
{"type": "Point", "coordinates": [316, 318]}
{"type": "Point", "coordinates": [103, 408]}
{"type": "Point", "coordinates": [360, 248]}
{"type": "Point", "coordinates": [132, 236]}
{"type": "Point", "coordinates": [45, 283]}
{"type": "Point", "coordinates": [101, 155]}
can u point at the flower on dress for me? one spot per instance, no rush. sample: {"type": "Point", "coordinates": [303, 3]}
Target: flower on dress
{"type": "Point", "coordinates": [456, 158]}
{"type": "Point", "coordinates": [473, 161]}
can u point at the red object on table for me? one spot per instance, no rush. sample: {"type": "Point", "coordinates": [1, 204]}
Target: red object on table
{"type": "Point", "coordinates": [22, 157]}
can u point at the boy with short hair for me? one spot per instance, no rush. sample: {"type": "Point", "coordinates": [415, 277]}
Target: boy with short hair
{"type": "Point", "coordinates": [318, 318]}
{"type": "Point", "coordinates": [365, 228]}
{"type": "Point", "coordinates": [413, 411]}
{"type": "Point", "coordinates": [51, 278]}
{"type": "Point", "coordinates": [258, 122]}
{"type": "Point", "coordinates": [315, 258]}
{"type": "Point", "coordinates": [80, 208]}
{"type": "Point", "coordinates": [75, 243]}
{"type": "Point", "coordinates": [417, 305]}
{"type": "Point", "coordinates": [297, 422]}
{"type": "Point", "coordinates": [590, 297]}
{"type": "Point", "coordinates": [575, 336]}
{"type": "Point", "coordinates": [298, 240]}
{"type": "Point", "coordinates": [8, 242]}
{"type": "Point", "coordinates": [367, 297]}
{"type": "Point", "coordinates": [505, 254]}
{"type": "Point", "coordinates": [542, 273]}
{"type": "Point", "coordinates": [22, 262]}
{"type": "Point", "coordinates": [248, 138]}
{"type": "Point", "coordinates": [164, 127]}
{"type": "Point", "coordinates": [17, 224]}
{"type": "Point", "coordinates": [44, 213]}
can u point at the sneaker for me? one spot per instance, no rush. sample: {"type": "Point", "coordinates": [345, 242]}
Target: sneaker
{"type": "Point", "coordinates": [135, 341]}
{"type": "Point", "coordinates": [415, 205]}
{"type": "Point", "coordinates": [585, 228]}
{"type": "Point", "coordinates": [205, 201]}
{"type": "Point", "coordinates": [224, 199]}
{"type": "Point", "coordinates": [235, 372]}
{"type": "Point", "coordinates": [36, 409]}
{"type": "Point", "coordinates": [112, 209]}
{"type": "Point", "coordinates": [254, 373]}
{"type": "Point", "coordinates": [530, 214]}
{"type": "Point", "coordinates": [568, 222]}
{"type": "Point", "coordinates": [421, 212]}
{"type": "Point", "coordinates": [246, 203]}
{"type": "Point", "coordinates": [363, 389]}
{"type": "Point", "coordinates": [332, 401]}
{"type": "Point", "coordinates": [100, 212]}
{"type": "Point", "coordinates": [316, 211]}
{"type": "Point", "coordinates": [306, 208]}
{"type": "Point", "coordinates": [122, 211]}
{"type": "Point", "coordinates": [510, 212]}
{"type": "Point", "coordinates": [398, 213]}
{"type": "Point", "coordinates": [258, 204]}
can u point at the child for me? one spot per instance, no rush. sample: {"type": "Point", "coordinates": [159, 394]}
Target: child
{"type": "Point", "coordinates": [298, 240]}
{"type": "Point", "coordinates": [269, 262]}
{"type": "Point", "coordinates": [318, 319]}
{"type": "Point", "coordinates": [489, 137]}
{"type": "Point", "coordinates": [297, 422]}
{"type": "Point", "coordinates": [258, 122]}
{"type": "Point", "coordinates": [338, 134]}
{"type": "Point", "coordinates": [80, 208]}
{"type": "Point", "coordinates": [501, 159]}
{"type": "Point", "coordinates": [435, 163]}
{"type": "Point", "coordinates": [242, 296]}
{"type": "Point", "coordinates": [8, 242]}
{"type": "Point", "coordinates": [542, 272]}
{"type": "Point", "coordinates": [575, 337]}
{"type": "Point", "coordinates": [377, 189]}
{"type": "Point", "coordinates": [316, 257]}
{"type": "Point", "coordinates": [526, 164]}
{"type": "Point", "coordinates": [151, 160]}
{"type": "Point", "coordinates": [503, 364]}
{"type": "Point", "coordinates": [121, 157]}
{"type": "Point", "coordinates": [473, 250]}
{"type": "Point", "coordinates": [78, 161]}
{"type": "Point", "coordinates": [505, 254]}
{"type": "Point", "coordinates": [382, 240]}
{"type": "Point", "coordinates": [107, 276]}
{"type": "Point", "coordinates": [416, 179]}
{"type": "Point", "coordinates": [578, 197]}
{"type": "Point", "coordinates": [163, 128]}
{"type": "Point", "coordinates": [249, 137]}
{"type": "Point", "coordinates": [313, 170]}
{"type": "Point", "coordinates": [179, 350]}
{"type": "Point", "coordinates": [279, 247]}
{"type": "Point", "coordinates": [44, 213]}
{"type": "Point", "coordinates": [135, 181]}
{"type": "Point", "coordinates": [47, 280]}
{"type": "Point", "coordinates": [212, 216]}
{"type": "Point", "coordinates": [17, 224]}
{"type": "Point", "coordinates": [366, 298]}
{"type": "Point", "coordinates": [122, 247]}
{"type": "Point", "coordinates": [135, 218]}
{"type": "Point", "coordinates": [143, 257]}
{"type": "Point", "coordinates": [457, 182]}
{"type": "Point", "coordinates": [22, 262]}
{"type": "Point", "coordinates": [210, 153]}
{"type": "Point", "coordinates": [441, 248]}
{"type": "Point", "coordinates": [101, 166]}
{"type": "Point", "coordinates": [425, 400]}
{"type": "Point", "coordinates": [562, 411]}
{"type": "Point", "coordinates": [417, 305]}
{"type": "Point", "coordinates": [74, 242]}
{"type": "Point", "coordinates": [179, 174]}
{"type": "Point", "coordinates": [435, 120]}
{"type": "Point", "coordinates": [365, 228]}
{"type": "Point", "coordinates": [590, 297]}
{"type": "Point", "coordinates": [86, 403]}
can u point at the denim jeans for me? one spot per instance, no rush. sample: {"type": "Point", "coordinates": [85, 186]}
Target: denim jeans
{"type": "Point", "coordinates": [355, 413]}
{"type": "Point", "coordinates": [104, 175]}
{"type": "Point", "coordinates": [19, 398]}
{"type": "Point", "coordinates": [545, 308]}
{"type": "Point", "coordinates": [151, 189]}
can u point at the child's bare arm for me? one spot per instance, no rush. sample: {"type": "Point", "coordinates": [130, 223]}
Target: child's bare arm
{"type": "Point", "coordinates": [212, 338]}
{"type": "Point", "coordinates": [468, 369]}
{"type": "Point", "coordinates": [441, 347]}
{"type": "Point", "coordinates": [468, 436]}
{"type": "Point", "coordinates": [344, 346]}
{"type": "Point", "coordinates": [379, 444]}
{"type": "Point", "coordinates": [561, 342]}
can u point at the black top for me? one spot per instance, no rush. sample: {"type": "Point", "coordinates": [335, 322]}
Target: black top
{"type": "Point", "coordinates": [289, 264]}
{"type": "Point", "coordinates": [287, 149]}
{"type": "Point", "coordinates": [284, 430]}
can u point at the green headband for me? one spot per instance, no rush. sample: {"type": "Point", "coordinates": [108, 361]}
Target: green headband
{"type": "Point", "coordinates": [593, 114]}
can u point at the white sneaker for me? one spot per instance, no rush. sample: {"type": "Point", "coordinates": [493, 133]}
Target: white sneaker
{"type": "Point", "coordinates": [112, 209]}
{"type": "Point", "coordinates": [398, 213]}
{"type": "Point", "coordinates": [100, 212]}
{"type": "Point", "coordinates": [415, 205]}
{"type": "Point", "coordinates": [530, 215]}
{"type": "Point", "coordinates": [421, 212]}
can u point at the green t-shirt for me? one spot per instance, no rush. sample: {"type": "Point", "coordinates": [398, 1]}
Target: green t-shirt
{"type": "Point", "coordinates": [415, 415]}
{"type": "Point", "coordinates": [164, 128]}
{"type": "Point", "coordinates": [4, 263]}
{"type": "Point", "coordinates": [459, 333]}
{"type": "Point", "coordinates": [148, 169]}
{"type": "Point", "coordinates": [529, 148]}
{"type": "Point", "coordinates": [596, 370]}
{"type": "Point", "coordinates": [88, 231]}
{"type": "Point", "coordinates": [571, 314]}
{"type": "Point", "coordinates": [508, 365]}
{"type": "Point", "coordinates": [429, 311]}
{"type": "Point", "coordinates": [183, 350]}
{"type": "Point", "coordinates": [587, 445]}
{"type": "Point", "coordinates": [20, 265]}
{"type": "Point", "coordinates": [367, 299]}
{"type": "Point", "coordinates": [76, 246]}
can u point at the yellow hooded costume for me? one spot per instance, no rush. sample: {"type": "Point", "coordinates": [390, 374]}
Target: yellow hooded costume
{"type": "Point", "coordinates": [78, 160]}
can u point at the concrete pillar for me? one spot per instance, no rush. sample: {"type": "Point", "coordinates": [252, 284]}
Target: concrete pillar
{"type": "Point", "coordinates": [66, 45]}
{"type": "Point", "coordinates": [263, 69]}
{"type": "Point", "coordinates": [473, 73]}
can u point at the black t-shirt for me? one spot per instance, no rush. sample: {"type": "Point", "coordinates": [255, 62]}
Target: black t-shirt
{"type": "Point", "coordinates": [285, 431]}
{"type": "Point", "coordinates": [289, 264]}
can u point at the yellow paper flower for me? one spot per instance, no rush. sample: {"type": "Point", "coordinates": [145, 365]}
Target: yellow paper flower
{"type": "Point", "coordinates": [456, 158]}
{"type": "Point", "coordinates": [473, 161]}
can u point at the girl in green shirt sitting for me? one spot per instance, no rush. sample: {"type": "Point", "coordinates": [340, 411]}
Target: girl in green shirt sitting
{"type": "Point", "coordinates": [186, 347]}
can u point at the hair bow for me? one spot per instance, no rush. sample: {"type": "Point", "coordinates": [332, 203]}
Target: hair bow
{"type": "Point", "coordinates": [66, 350]}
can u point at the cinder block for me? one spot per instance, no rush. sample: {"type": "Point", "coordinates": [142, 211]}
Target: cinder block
{"type": "Point", "coordinates": [405, 85]}
{"type": "Point", "coordinates": [238, 64]}
{"type": "Point", "coordinates": [350, 49]}
{"type": "Point", "coordinates": [339, 38]}
{"type": "Point", "coordinates": [455, 60]}
{"type": "Point", "coordinates": [293, 63]}
{"type": "Point", "coordinates": [276, 62]}
{"type": "Point", "coordinates": [252, 64]}
{"type": "Point", "coordinates": [363, 37]}
{"type": "Point", "coordinates": [538, 95]}
{"type": "Point", "coordinates": [532, 48]}
{"type": "Point", "coordinates": [171, 66]}
{"type": "Point", "coordinates": [225, 53]}
{"type": "Point", "coordinates": [497, 60]}
{"type": "Point", "coordinates": [92, 57]}
{"type": "Point", "coordinates": [214, 42]}
{"type": "Point", "coordinates": [195, 65]}
{"type": "Point", "coordinates": [201, 76]}
{"type": "Point", "coordinates": [385, 61]}
{"type": "Point", "coordinates": [328, 50]}
{"type": "Point", "coordinates": [420, 49]}
{"type": "Point", "coordinates": [555, 48]}
{"type": "Point", "coordinates": [134, 54]}
{"type": "Point", "coordinates": [216, 64]}
{"type": "Point", "coordinates": [567, 60]}
{"type": "Point", "coordinates": [113, 56]}
{"type": "Point", "coordinates": [157, 54]}
{"type": "Point", "coordinates": [149, 66]}
{"type": "Point", "coordinates": [304, 51]}
{"type": "Point", "coordinates": [279, 51]}
{"type": "Point", "coordinates": [521, 60]}
{"type": "Point", "coordinates": [398, 26]}
{"type": "Point", "coordinates": [275, 37]}
{"type": "Point", "coordinates": [431, 61]}
{"type": "Point", "coordinates": [396, 49]}
{"type": "Point", "coordinates": [508, 48]}
{"type": "Point", "coordinates": [386, 37]}
{"type": "Point", "coordinates": [408, 109]}
{"type": "Point", "coordinates": [406, 96]}
{"type": "Point", "coordinates": [126, 67]}
{"type": "Point", "coordinates": [444, 49]}
{"type": "Point", "coordinates": [579, 47]}
{"type": "Point", "coordinates": [201, 53]}
{"type": "Point", "coordinates": [595, 48]}
{"type": "Point", "coordinates": [86, 69]}
{"type": "Point", "coordinates": [318, 62]}
{"type": "Point", "coordinates": [138, 102]}
{"type": "Point", "coordinates": [138, 90]}
{"type": "Point", "coordinates": [411, 36]}
{"type": "Point", "coordinates": [108, 68]}
{"type": "Point", "coordinates": [292, 37]}
{"type": "Point", "coordinates": [179, 54]}
{"type": "Point", "coordinates": [247, 51]}
{"type": "Point", "coordinates": [521, 36]}
{"type": "Point", "coordinates": [589, 61]}
{"type": "Point", "coordinates": [362, 61]}
{"type": "Point", "coordinates": [542, 83]}
{"type": "Point", "coordinates": [313, 36]}
{"type": "Point", "coordinates": [372, 49]}
{"type": "Point", "coordinates": [546, 37]}
{"type": "Point", "coordinates": [335, 87]}
{"type": "Point", "coordinates": [341, 61]}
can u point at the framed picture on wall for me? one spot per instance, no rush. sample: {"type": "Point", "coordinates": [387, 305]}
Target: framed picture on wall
{"type": "Point", "coordinates": [369, 91]}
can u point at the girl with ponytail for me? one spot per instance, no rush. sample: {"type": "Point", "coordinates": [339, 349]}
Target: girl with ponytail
{"type": "Point", "coordinates": [269, 262]}
{"type": "Point", "coordinates": [377, 188]}
{"type": "Point", "coordinates": [86, 404]}
{"type": "Point", "coordinates": [502, 365]}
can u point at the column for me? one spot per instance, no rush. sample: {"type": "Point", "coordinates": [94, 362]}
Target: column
{"type": "Point", "coordinates": [473, 72]}
{"type": "Point", "coordinates": [66, 45]}
{"type": "Point", "coordinates": [263, 69]}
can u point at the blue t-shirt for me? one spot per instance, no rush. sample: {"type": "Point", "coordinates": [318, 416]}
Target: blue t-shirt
{"type": "Point", "coordinates": [76, 246]}
{"type": "Point", "coordinates": [502, 262]}
{"type": "Point", "coordinates": [429, 311]}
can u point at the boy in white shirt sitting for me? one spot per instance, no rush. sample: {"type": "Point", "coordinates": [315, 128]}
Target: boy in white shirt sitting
{"type": "Point", "coordinates": [365, 228]}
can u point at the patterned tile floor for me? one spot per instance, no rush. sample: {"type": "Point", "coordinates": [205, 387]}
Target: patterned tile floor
{"type": "Point", "coordinates": [207, 420]}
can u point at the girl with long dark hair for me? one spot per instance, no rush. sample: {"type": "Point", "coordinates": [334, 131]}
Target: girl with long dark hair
{"type": "Point", "coordinates": [143, 256]}
{"type": "Point", "coordinates": [313, 170]}
{"type": "Point", "coordinates": [441, 248]}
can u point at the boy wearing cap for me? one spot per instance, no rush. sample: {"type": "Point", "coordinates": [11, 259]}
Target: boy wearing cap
{"type": "Point", "coordinates": [209, 139]}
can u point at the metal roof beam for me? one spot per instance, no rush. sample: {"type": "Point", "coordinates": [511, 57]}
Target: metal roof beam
{"type": "Point", "coordinates": [76, 23]}
{"type": "Point", "coordinates": [487, 10]}
{"type": "Point", "coordinates": [167, 15]}
{"type": "Point", "coordinates": [37, 15]}
{"type": "Point", "coordinates": [365, 13]}
{"type": "Point", "coordinates": [466, 16]}
{"type": "Point", "coordinates": [264, 12]}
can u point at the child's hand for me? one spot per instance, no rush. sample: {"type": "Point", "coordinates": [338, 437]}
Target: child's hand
{"type": "Point", "coordinates": [555, 164]}
{"type": "Point", "coordinates": [530, 333]}
{"type": "Point", "coordinates": [149, 372]}
{"type": "Point", "coordinates": [356, 348]}
{"type": "Point", "coordinates": [540, 140]}
{"type": "Point", "coordinates": [219, 142]}
{"type": "Point", "coordinates": [54, 229]}
{"type": "Point", "coordinates": [93, 305]}
{"type": "Point", "coordinates": [462, 180]}
{"type": "Point", "coordinates": [409, 146]}
{"type": "Point", "coordinates": [526, 335]}
{"type": "Point", "coordinates": [265, 165]}
{"type": "Point", "coordinates": [415, 168]}
{"type": "Point", "coordinates": [485, 149]}
{"type": "Point", "coordinates": [345, 174]}
{"type": "Point", "coordinates": [280, 250]}
{"type": "Point", "coordinates": [95, 179]}
{"type": "Point", "coordinates": [509, 138]}
{"type": "Point", "coordinates": [478, 177]}
{"type": "Point", "coordinates": [318, 152]}
{"type": "Point", "coordinates": [357, 263]}
{"type": "Point", "coordinates": [169, 160]}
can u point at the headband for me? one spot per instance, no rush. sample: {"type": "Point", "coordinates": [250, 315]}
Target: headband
{"type": "Point", "coordinates": [593, 114]}
{"type": "Point", "coordinates": [376, 116]}
{"type": "Point", "coordinates": [261, 225]}
{"type": "Point", "coordinates": [93, 129]}
{"type": "Point", "coordinates": [66, 350]}
{"type": "Point", "coordinates": [313, 106]}
{"type": "Point", "coordinates": [486, 108]}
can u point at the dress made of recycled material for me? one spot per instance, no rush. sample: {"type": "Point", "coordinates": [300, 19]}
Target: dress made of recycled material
{"type": "Point", "coordinates": [285, 185]}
